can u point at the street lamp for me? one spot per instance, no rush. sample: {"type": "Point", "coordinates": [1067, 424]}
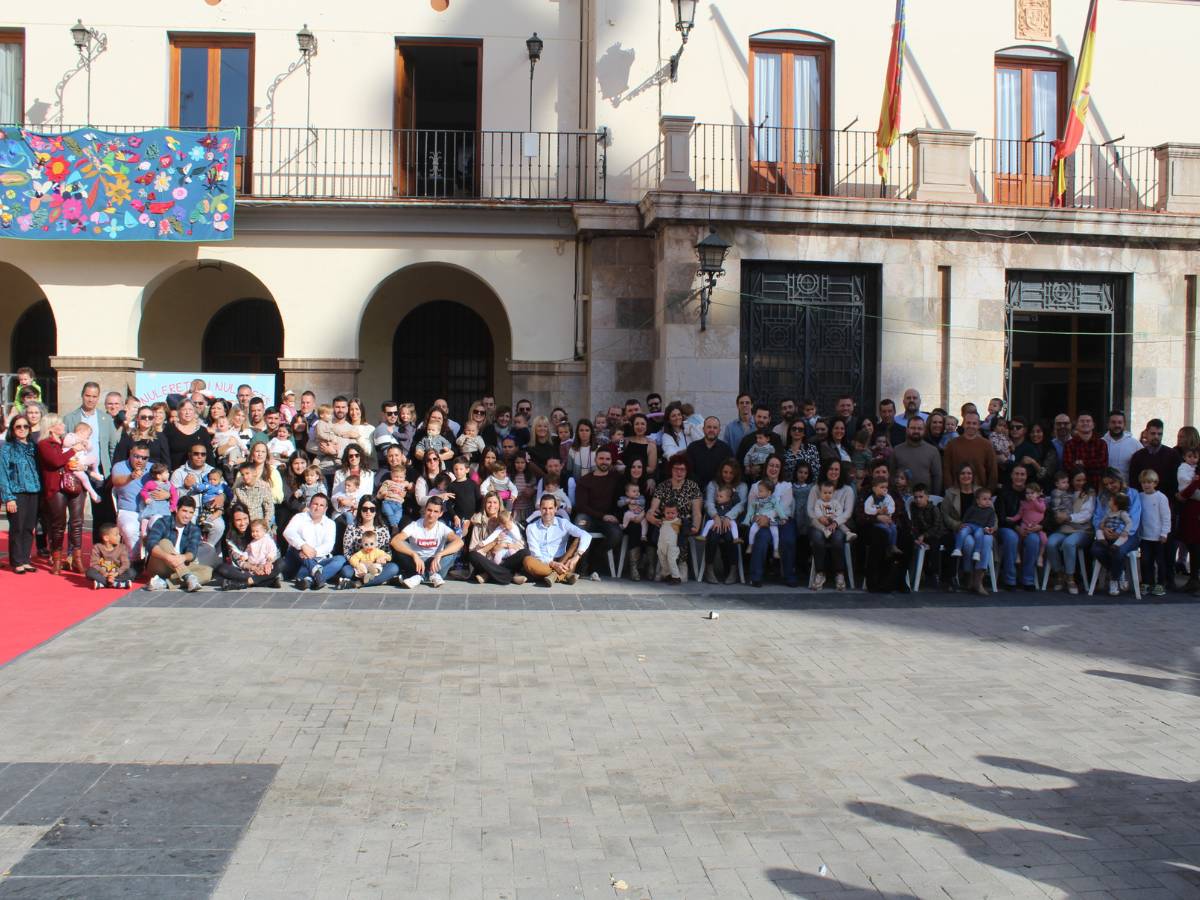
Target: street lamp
{"type": "Point", "coordinates": [83, 37]}
{"type": "Point", "coordinates": [307, 42]}
{"type": "Point", "coordinates": [534, 46]}
{"type": "Point", "coordinates": [685, 20]}
{"type": "Point", "coordinates": [710, 251]}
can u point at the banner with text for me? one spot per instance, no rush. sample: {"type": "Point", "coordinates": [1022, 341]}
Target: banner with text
{"type": "Point", "coordinates": [152, 387]}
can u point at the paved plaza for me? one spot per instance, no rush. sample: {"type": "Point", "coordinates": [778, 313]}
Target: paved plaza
{"type": "Point", "coordinates": [606, 741]}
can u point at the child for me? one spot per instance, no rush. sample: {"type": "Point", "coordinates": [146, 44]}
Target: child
{"type": "Point", "coordinates": [345, 498]}
{"type": "Point", "coordinates": [393, 493]}
{"type": "Point", "coordinates": [808, 414]}
{"type": "Point", "coordinates": [499, 482]}
{"type": "Point", "coordinates": [1001, 442]}
{"type": "Point", "coordinates": [214, 487]}
{"type": "Point", "coordinates": [1030, 514]}
{"type": "Point", "coordinates": [724, 501]}
{"type": "Point", "coordinates": [979, 520]}
{"type": "Point", "coordinates": [287, 405]}
{"type": "Point", "coordinates": [801, 488]}
{"type": "Point", "coordinates": [900, 486]}
{"type": "Point", "coordinates": [827, 509]}
{"type": "Point", "coordinates": [441, 488]}
{"type": "Point", "coordinates": [759, 452]}
{"type": "Point", "coordinates": [634, 505]}
{"type": "Point", "coordinates": [314, 483]}
{"type": "Point", "coordinates": [254, 493]}
{"type": "Point", "coordinates": [159, 480]}
{"type": "Point", "coordinates": [503, 537]}
{"type": "Point", "coordinates": [880, 506]}
{"type": "Point", "coordinates": [693, 423]}
{"type": "Point", "coordinates": [763, 503]}
{"type": "Point", "coordinates": [1187, 471]}
{"type": "Point", "coordinates": [1061, 501]}
{"type": "Point", "coordinates": [109, 566]}
{"type": "Point", "coordinates": [262, 551]}
{"type": "Point", "coordinates": [433, 442]}
{"type": "Point", "coordinates": [929, 529]}
{"type": "Point", "coordinates": [881, 447]}
{"type": "Point", "coordinates": [1116, 519]}
{"type": "Point", "coordinates": [1156, 528]}
{"type": "Point", "coordinates": [25, 382]}
{"type": "Point", "coordinates": [470, 444]}
{"type": "Point", "coordinates": [227, 444]}
{"type": "Point", "coordinates": [88, 473]}
{"type": "Point", "coordinates": [369, 560]}
{"type": "Point", "coordinates": [552, 486]}
{"type": "Point", "coordinates": [668, 545]}
{"type": "Point", "coordinates": [281, 447]}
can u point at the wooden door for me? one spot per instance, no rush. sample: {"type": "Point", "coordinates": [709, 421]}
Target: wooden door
{"type": "Point", "coordinates": [789, 106]}
{"type": "Point", "coordinates": [1029, 103]}
{"type": "Point", "coordinates": [403, 150]}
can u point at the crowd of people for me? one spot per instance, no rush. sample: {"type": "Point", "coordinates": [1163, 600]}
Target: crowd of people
{"type": "Point", "coordinates": [236, 492]}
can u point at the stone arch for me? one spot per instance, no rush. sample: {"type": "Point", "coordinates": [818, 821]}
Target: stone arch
{"type": "Point", "coordinates": [404, 291]}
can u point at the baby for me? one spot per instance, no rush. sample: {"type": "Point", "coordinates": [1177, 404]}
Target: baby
{"type": "Point", "coordinates": [827, 509]}
{"type": "Point", "coordinates": [668, 544]}
{"type": "Point", "coordinates": [228, 444]}
{"type": "Point", "coordinates": [109, 567]}
{"type": "Point", "coordinates": [880, 506]}
{"type": "Point", "coordinates": [393, 493]}
{"type": "Point", "coordinates": [503, 537]}
{"type": "Point", "coordinates": [346, 499]}
{"type": "Point", "coordinates": [634, 505]}
{"type": "Point", "coordinates": [1030, 514]}
{"type": "Point", "coordinates": [1001, 442]}
{"type": "Point", "coordinates": [314, 483]}
{"type": "Point", "coordinates": [262, 551]}
{"type": "Point", "coordinates": [1061, 502]}
{"type": "Point", "coordinates": [499, 482]}
{"type": "Point", "coordinates": [978, 521]}
{"type": "Point", "coordinates": [758, 454]}
{"type": "Point", "coordinates": [281, 446]}
{"type": "Point", "coordinates": [214, 489]}
{"type": "Point", "coordinates": [763, 503]}
{"type": "Point", "coordinates": [724, 500]}
{"type": "Point", "coordinates": [470, 444]}
{"type": "Point", "coordinates": [552, 486]}
{"type": "Point", "coordinates": [433, 442]}
{"type": "Point", "coordinates": [369, 560]}
{"type": "Point", "coordinates": [1187, 471]}
{"type": "Point", "coordinates": [1116, 519]}
{"type": "Point", "coordinates": [152, 509]}
{"type": "Point", "coordinates": [88, 473]}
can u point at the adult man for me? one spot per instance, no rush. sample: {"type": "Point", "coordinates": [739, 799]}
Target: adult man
{"type": "Point", "coordinates": [244, 395]}
{"type": "Point", "coordinates": [308, 407]}
{"type": "Point", "coordinates": [1062, 433]}
{"type": "Point", "coordinates": [272, 417]}
{"type": "Point", "coordinates": [614, 419]}
{"type": "Point", "coordinates": [896, 433]}
{"type": "Point", "coordinates": [104, 439]}
{"type": "Point", "coordinates": [258, 415]}
{"type": "Point", "coordinates": [844, 407]}
{"type": "Point", "coordinates": [654, 412]}
{"type": "Point", "coordinates": [912, 407]}
{"type": "Point", "coordinates": [427, 548]}
{"type": "Point", "coordinates": [173, 541]}
{"type": "Point", "coordinates": [200, 402]}
{"type": "Point", "coordinates": [555, 545]}
{"type": "Point", "coordinates": [1012, 538]}
{"type": "Point", "coordinates": [1121, 444]}
{"type": "Point", "coordinates": [128, 477]}
{"type": "Point", "coordinates": [706, 455]}
{"type": "Point", "coordinates": [973, 449]}
{"type": "Point", "coordinates": [596, 501]}
{"type": "Point", "coordinates": [742, 425]}
{"type": "Point", "coordinates": [632, 407]}
{"type": "Point", "coordinates": [388, 431]}
{"type": "Point", "coordinates": [788, 412]}
{"type": "Point", "coordinates": [309, 537]}
{"type": "Point", "coordinates": [762, 419]}
{"type": "Point", "coordinates": [1086, 449]}
{"type": "Point", "coordinates": [918, 457]}
{"type": "Point", "coordinates": [115, 407]}
{"type": "Point", "coordinates": [190, 480]}
{"type": "Point", "coordinates": [489, 406]}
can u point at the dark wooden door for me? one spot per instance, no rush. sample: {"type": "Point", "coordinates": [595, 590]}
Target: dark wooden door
{"type": "Point", "coordinates": [442, 349]}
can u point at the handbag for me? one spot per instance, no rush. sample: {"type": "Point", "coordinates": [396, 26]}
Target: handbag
{"type": "Point", "coordinates": [68, 483]}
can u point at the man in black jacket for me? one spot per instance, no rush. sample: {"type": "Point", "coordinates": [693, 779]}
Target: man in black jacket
{"type": "Point", "coordinates": [596, 502]}
{"type": "Point", "coordinates": [707, 454]}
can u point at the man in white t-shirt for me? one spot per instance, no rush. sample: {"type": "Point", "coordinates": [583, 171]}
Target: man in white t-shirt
{"type": "Point", "coordinates": [427, 548]}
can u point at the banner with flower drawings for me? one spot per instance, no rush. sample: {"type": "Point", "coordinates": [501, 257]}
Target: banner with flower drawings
{"type": "Point", "coordinates": [162, 184]}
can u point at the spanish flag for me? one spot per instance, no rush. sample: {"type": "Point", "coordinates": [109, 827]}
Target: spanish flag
{"type": "Point", "coordinates": [1080, 98]}
{"type": "Point", "coordinates": [889, 113]}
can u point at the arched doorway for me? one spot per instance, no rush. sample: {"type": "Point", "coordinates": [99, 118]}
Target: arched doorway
{"type": "Point", "coordinates": [34, 341]}
{"type": "Point", "coordinates": [442, 349]}
{"type": "Point", "coordinates": [245, 336]}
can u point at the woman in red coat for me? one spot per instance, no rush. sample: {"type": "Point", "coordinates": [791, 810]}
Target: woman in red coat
{"type": "Point", "coordinates": [56, 503]}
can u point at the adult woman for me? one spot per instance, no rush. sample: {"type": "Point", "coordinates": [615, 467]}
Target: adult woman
{"type": "Point", "coordinates": [431, 468]}
{"type": "Point", "coordinates": [826, 537]}
{"type": "Point", "coordinates": [672, 439]}
{"type": "Point", "coordinates": [260, 457]}
{"type": "Point", "coordinates": [1032, 450]}
{"type": "Point", "coordinates": [581, 455]}
{"type": "Point", "coordinates": [239, 423]}
{"type": "Point", "coordinates": [834, 446]}
{"type": "Point", "coordinates": [959, 498]}
{"type": "Point", "coordinates": [299, 427]}
{"type": "Point", "coordinates": [543, 445]}
{"type": "Point", "coordinates": [181, 434]}
{"type": "Point", "coordinates": [782, 493]}
{"type": "Point", "coordinates": [237, 538]}
{"type": "Point", "coordinates": [367, 518]}
{"type": "Point", "coordinates": [798, 450]}
{"type": "Point", "coordinates": [935, 429]}
{"type": "Point", "coordinates": [363, 429]}
{"type": "Point", "coordinates": [680, 491]}
{"type": "Point", "coordinates": [162, 413]}
{"type": "Point", "coordinates": [293, 493]}
{"type": "Point", "coordinates": [720, 536]}
{"type": "Point", "coordinates": [636, 474]}
{"type": "Point", "coordinates": [1073, 533]}
{"type": "Point", "coordinates": [34, 412]}
{"type": "Point", "coordinates": [487, 462]}
{"type": "Point", "coordinates": [62, 509]}
{"type": "Point", "coordinates": [354, 462]}
{"type": "Point", "coordinates": [142, 429]}
{"type": "Point", "coordinates": [638, 444]}
{"type": "Point", "coordinates": [20, 485]}
{"type": "Point", "coordinates": [479, 553]}
{"type": "Point", "coordinates": [1108, 552]}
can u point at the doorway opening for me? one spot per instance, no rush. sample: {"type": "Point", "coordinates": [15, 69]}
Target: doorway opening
{"type": "Point", "coordinates": [245, 336]}
{"type": "Point", "coordinates": [437, 118]}
{"type": "Point", "coordinates": [34, 341]}
{"type": "Point", "coordinates": [426, 365]}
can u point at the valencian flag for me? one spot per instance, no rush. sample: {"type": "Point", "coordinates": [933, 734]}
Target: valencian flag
{"type": "Point", "coordinates": [889, 113]}
{"type": "Point", "coordinates": [1080, 98]}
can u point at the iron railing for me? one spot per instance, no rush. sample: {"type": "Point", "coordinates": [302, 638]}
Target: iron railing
{"type": "Point", "coordinates": [383, 163]}
{"type": "Point", "coordinates": [1098, 176]}
{"type": "Point", "coordinates": [758, 159]}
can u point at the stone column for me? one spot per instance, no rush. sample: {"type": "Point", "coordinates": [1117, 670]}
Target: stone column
{"type": "Point", "coordinates": [1178, 178]}
{"type": "Point", "coordinates": [324, 377]}
{"type": "Point", "coordinates": [112, 373]}
{"type": "Point", "coordinates": [941, 163]}
{"type": "Point", "coordinates": [677, 153]}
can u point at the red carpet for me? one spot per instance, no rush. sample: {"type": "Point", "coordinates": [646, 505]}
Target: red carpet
{"type": "Point", "coordinates": [38, 606]}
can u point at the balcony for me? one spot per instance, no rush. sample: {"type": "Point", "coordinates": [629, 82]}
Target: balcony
{"type": "Point", "coordinates": [925, 165]}
{"type": "Point", "coordinates": [380, 164]}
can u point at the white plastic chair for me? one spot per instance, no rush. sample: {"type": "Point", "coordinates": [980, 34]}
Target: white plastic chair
{"type": "Point", "coordinates": [812, 568]}
{"type": "Point", "coordinates": [914, 577]}
{"type": "Point", "coordinates": [612, 568]}
{"type": "Point", "coordinates": [1134, 574]}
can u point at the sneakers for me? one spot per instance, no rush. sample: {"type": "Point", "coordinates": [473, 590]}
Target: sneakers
{"type": "Point", "coordinates": [411, 582]}
{"type": "Point", "coordinates": [839, 582]}
{"type": "Point", "coordinates": [1145, 588]}
{"type": "Point", "coordinates": [121, 585]}
{"type": "Point", "coordinates": [818, 582]}
{"type": "Point", "coordinates": [1072, 587]}
{"type": "Point", "coordinates": [97, 585]}
{"type": "Point", "coordinates": [732, 577]}
{"type": "Point", "coordinates": [519, 579]}
{"type": "Point", "coordinates": [975, 556]}
{"type": "Point", "coordinates": [1114, 588]}
{"type": "Point", "coordinates": [436, 580]}
{"type": "Point", "coordinates": [157, 583]}
{"type": "Point", "coordinates": [851, 537]}
{"type": "Point", "coordinates": [595, 576]}
{"type": "Point", "coordinates": [1157, 590]}
{"type": "Point", "coordinates": [318, 580]}
{"type": "Point", "coordinates": [710, 577]}
{"type": "Point", "coordinates": [482, 579]}
{"type": "Point", "coordinates": [570, 579]}
{"type": "Point", "coordinates": [191, 583]}
{"type": "Point", "coordinates": [303, 584]}
{"type": "Point", "coordinates": [1124, 582]}
{"type": "Point", "coordinates": [956, 552]}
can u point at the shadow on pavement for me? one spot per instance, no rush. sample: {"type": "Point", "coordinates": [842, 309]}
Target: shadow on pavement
{"type": "Point", "coordinates": [813, 885]}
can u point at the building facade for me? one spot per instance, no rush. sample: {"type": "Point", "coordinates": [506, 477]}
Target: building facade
{"type": "Point", "coordinates": [419, 216]}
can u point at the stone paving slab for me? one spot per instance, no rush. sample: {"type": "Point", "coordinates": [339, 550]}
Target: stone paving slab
{"type": "Point", "coordinates": [1013, 747]}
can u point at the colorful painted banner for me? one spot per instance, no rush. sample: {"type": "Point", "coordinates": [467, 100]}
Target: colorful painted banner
{"type": "Point", "coordinates": [88, 184]}
{"type": "Point", "coordinates": [151, 387]}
